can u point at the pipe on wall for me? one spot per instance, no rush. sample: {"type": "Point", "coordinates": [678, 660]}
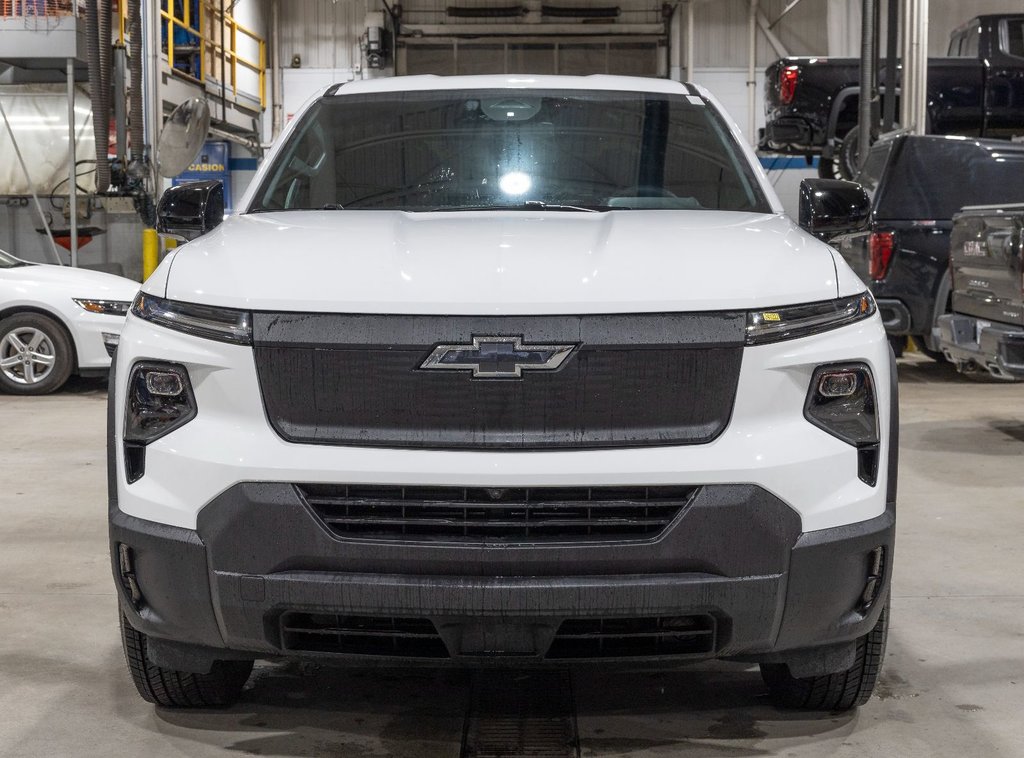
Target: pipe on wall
{"type": "Point", "coordinates": [106, 64]}
{"type": "Point", "coordinates": [867, 80]}
{"type": "Point", "coordinates": [73, 168]}
{"type": "Point", "coordinates": [135, 107]}
{"type": "Point", "coordinates": [99, 118]}
{"type": "Point", "coordinates": [276, 78]}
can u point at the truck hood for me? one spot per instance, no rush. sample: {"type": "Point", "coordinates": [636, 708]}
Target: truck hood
{"type": "Point", "coordinates": [503, 262]}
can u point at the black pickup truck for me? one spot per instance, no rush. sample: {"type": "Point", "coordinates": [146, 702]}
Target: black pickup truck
{"type": "Point", "coordinates": [986, 330]}
{"type": "Point", "coordinates": [915, 186]}
{"type": "Point", "coordinates": [976, 91]}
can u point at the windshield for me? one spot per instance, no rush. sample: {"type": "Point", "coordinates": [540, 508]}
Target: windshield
{"type": "Point", "coordinates": [481, 149]}
{"type": "Point", "coordinates": [9, 261]}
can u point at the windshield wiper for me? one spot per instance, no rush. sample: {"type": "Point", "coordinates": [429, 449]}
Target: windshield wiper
{"type": "Point", "coordinates": [540, 205]}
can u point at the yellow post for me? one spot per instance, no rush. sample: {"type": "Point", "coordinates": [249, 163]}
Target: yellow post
{"type": "Point", "coordinates": [150, 252]}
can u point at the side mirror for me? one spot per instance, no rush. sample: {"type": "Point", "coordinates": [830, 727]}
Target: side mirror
{"type": "Point", "coordinates": [833, 206]}
{"type": "Point", "coordinates": [190, 210]}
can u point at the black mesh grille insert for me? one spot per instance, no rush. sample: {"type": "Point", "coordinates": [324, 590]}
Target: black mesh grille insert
{"type": "Point", "coordinates": [640, 379]}
{"type": "Point", "coordinates": [361, 635]}
{"type": "Point", "coordinates": [499, 514]}
{"type": "Point", "coordinates": [634, 637]}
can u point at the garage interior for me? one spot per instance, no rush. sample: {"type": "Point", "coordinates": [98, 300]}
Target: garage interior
{"type": "Point", "coordinates": [953, 682]}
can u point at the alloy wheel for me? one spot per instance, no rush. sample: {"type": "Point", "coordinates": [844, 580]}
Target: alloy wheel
{"type": "Point", "coordinates": [27, 355]}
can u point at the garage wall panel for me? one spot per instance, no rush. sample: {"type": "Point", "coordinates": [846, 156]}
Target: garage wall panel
{"type": "Point", "coordinates": [721, 31]}
{"type": "Point", "coordinates": [435, 11]}
{"type": "Point", "coordinates": [323, 33]}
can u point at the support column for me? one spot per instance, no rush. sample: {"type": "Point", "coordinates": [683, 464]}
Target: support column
{"type": "Point", "coordinates": [689, 41]}
{"type": "Point", "coordinates": [921, 57]}
{"type": "Point", "coordinates": [914, 89]}
{"type": "Point", "coordinates": [891, 64]}
{"type": "Point", "coordinates": [867, 81]}
{"type": "Point", "coordinates": [73, 161]}
{"type": "Point", "coordinates": [153, 101]}
{"type": "Point", "coordinates": [752, 74]}
{"type": "Point", "coordinates": [150, 252]}
{"type": "Point", "coordinates": [277, 116]}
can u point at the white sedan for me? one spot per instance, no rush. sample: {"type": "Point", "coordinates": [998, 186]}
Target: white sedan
{"type": "Point", "coordinates": [56, 321]}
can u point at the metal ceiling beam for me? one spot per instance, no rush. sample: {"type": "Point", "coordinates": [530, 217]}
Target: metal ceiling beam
{"type": "Point", "coordinates": [773, 40]}
{"type": "Point", "coordinates": [782, 15]}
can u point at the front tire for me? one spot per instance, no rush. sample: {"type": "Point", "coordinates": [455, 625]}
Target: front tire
{"type": "Point", "coordinates": [181, 689]}
{"type": "Point", "coordinates": [841, 691]}
{"type": "Point", "coordinates": [36, 356]}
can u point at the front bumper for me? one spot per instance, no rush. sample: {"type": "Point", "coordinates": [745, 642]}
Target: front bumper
{"type": "Point", "coordinates": [96, 334]}
{"type": "Point", "coordinates": [767, 442]}
{"type": "Point", "coordinates": [996, 348]}
{"type": "Point", "coordinates": [735, 557]}
{"type": "Point", "coordinates": [793, 135]}
{"type": "Point", "coordinates": [774, 554]}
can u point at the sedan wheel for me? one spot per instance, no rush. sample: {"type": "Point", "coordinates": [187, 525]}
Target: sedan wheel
{"type": "Point", "coordinates": [35, 355]}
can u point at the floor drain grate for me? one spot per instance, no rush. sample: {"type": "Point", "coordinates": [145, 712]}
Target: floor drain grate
{"type": "Point", "coordinates": [521, 714]}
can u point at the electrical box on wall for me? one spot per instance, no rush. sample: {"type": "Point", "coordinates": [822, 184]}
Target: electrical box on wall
{"type": "Point", "coordinates": [375, 41]}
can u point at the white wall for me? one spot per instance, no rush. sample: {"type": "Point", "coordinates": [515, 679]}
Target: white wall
{"type": "Point", "coordinates": [729, 85]}
{"type": "Point", "coordinates": [302, 83]}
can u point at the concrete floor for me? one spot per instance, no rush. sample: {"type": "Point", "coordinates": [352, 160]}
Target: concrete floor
{"type": "Point", "coordinates": [953, 683]}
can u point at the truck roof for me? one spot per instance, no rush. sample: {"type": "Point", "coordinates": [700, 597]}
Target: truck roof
{"type": "Point", "coordinates": [934, 176]}
{"type": "Point", "coordinates": [1000, 145]}
{"type": "Point", "coordinates": [984, 17]}
{"type": "Point", "coordinates": [428, 82]}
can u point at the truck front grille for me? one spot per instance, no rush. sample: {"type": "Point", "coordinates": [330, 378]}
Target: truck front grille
{"type": "Point", "coordinates": [634, 637]}
{"type": "Point", "coordinates": [497, 514]}
{"type": "Point", "coordinates": [361, 635]}
{"type": "Point", "coordinates": [630, 380]}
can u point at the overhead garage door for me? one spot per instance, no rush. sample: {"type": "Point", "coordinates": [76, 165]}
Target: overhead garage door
{"type": "Point", "coordinates": [630, 56]}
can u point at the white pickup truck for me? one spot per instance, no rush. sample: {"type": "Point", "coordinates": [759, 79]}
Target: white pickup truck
{"type": "Point", "coordinates": [504, 371]}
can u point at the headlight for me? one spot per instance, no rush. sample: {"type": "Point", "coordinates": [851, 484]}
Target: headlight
{"type": "Point", "coordinates": [158, 401]}
{"type": "Point", "coordinates": [107, 307]}
{"type": "Point", "coordinates": [223, 324]}
{"type": "Point", "coordinates": [841, 401]}
{"type": "Point", "coordinates": [794, 321]}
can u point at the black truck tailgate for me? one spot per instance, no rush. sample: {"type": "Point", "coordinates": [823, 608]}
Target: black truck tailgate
{"type": "Point", "coordinates": [987, 259]}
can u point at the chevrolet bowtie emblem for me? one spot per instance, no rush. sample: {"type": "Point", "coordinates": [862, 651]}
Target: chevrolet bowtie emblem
{"type": "Point", "coordinates": [497, 357]}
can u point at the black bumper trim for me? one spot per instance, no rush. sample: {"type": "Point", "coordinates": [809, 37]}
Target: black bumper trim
{"type": "Point", "coordinates": [227, 585]}
{"type": "Point", "coordinates": [170, 565]}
